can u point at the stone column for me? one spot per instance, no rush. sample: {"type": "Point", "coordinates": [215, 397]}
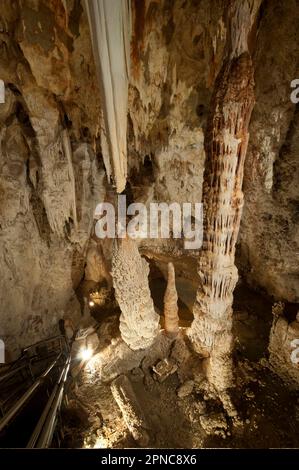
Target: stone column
{"type": "Point", "coordinates": [226, 141]}
{"type": "Point", "coordinates": [139, 323]}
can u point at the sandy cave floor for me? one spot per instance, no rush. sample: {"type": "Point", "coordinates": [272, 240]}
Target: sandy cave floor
{"type": "Point", "coordinates": [268, 411]}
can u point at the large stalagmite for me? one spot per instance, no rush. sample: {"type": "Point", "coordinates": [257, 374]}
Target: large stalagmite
{"type": "Point", "coordinates": [225, 145]}
{"type": "Point", "coordinates": [109, 23]}
{"type": "Point", "coordinates": [138, 321]}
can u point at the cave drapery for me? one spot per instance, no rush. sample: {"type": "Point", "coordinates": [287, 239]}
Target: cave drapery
{"type": "Point", "coordinates": [110, 25]}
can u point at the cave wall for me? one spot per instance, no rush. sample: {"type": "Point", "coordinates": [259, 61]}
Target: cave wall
{"type": "Point", "coordinates": [269, 241]}
{"type": "Point", "coordinates": [177, 51]}
{"type": "Point", "coordinates": [51, 172]}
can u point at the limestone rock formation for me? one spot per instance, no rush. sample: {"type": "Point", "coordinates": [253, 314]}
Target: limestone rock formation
{"type": "Point", "coordinates": [269, 240]}
{"type": "Point", "coordinates": [50, 175]}
{"type": "Point", "coordinates": [138, 321]}
{"type": "Point", "coordinates": [96, 267]}
{"type": "Point", "coordinates": [284, 350]}
{"type": "Point", "coordinates": [177, 54]}
{"type": "Point", "coordinates": [110, 32]}
{"type": "Point", "coordinates": [171, 313]}
{"type": "Point", "coordinates": [55, 167]}
{"type": "Point", "coordinates": [226, 145]}
{"type": "Point", "coordinates": [126, 399]}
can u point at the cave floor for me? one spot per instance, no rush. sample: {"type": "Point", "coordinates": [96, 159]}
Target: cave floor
{"type": "Point", "coordinates": [268, 410]}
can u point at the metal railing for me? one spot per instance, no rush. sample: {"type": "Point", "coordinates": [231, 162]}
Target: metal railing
{"type": "Point", "coordinates": [43, 432]}
{"type": "Point", "coordinates": [27, 395]}
{"type": "Point", "coordinates": [33, 354]}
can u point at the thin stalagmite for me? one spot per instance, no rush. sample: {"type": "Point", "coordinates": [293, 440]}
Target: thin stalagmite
{"type": "Point", "coordinates": [171, 315]}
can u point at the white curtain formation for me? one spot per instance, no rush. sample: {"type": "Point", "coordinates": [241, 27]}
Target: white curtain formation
{"type": "Point", "coordinates": [110, 27]}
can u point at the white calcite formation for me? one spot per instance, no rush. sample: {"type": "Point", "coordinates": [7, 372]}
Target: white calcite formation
{"type": "Point", "coordinates": [139, 322]}
{"type": "Point", "coordinates": [110, 32]}
{"type": "Point", "coordinates": [56, 163]}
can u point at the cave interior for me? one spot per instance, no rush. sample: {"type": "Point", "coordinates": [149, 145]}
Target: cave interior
{"type": "Point", "coordinates": [149, 224]}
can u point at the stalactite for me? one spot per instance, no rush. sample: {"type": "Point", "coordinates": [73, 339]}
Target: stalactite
{"type": "Point", "coordinates": [68, 153]}
{"type": "Point", "coordinates": [109, 23]}
{"type": "Point", "coordinates": [225, 145]}
{"type": "Point", "coordinates": [171, 304]}
{"type": "Point", "coordinates": [59, 195]}
{"type": "Point", "coordinates": [138, 321]}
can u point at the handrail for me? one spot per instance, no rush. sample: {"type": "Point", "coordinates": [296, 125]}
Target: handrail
{"type": "Point", "coordinates": [45, 427]}
{"type": "Point", "coordinates": [25, 397]}
{"type": "Point", "coordinates": [46, 435]}
{"type": "Point", "coordinates": [43, 432]}
{"type": "Point", "coordinates": [11, 373]}
{"type": "Point", "coordinates": [45, 341]}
